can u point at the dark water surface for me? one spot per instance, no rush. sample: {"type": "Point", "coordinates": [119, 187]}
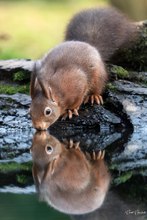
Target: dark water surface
{"type": "Point", "coordinates": [116, 188]}
{"type": "Point", "coordinates": [27, 206]}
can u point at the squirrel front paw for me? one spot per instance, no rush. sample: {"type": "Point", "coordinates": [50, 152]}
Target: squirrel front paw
{"type": "Point", "coordinates": [75, 145]}
{"type": "Point", "coordinates": [94, 98]}
{"type": "Point", "coordinates": [70, 113]}
{"type": "Point", "coordinates": [70, 144]}
{"type": "Point", "coordinates": [96, 155]}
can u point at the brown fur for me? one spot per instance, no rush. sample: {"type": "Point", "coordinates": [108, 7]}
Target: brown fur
{"type": "Point", "coordinates": [72, 71]}
{"type": "Point", "coordinates": [66, 179]}
{"type": "Point", "coordinates": [107, 29]}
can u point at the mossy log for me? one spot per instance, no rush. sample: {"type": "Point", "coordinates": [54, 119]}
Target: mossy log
{"type": "Point", "coordinates": [21, 67]}
{"type": "Point", "coordinates": [134, 57]}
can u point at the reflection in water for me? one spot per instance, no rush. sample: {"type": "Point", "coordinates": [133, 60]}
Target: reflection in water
{"type": "Point", "coordinates": [65, 177]}
{"type": "Point", "coordinates": [115, 208]}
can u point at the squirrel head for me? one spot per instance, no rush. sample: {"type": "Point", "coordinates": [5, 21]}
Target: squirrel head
{"type": "Point", "coordinates": [45, 148]}
{"type": "Point", "coordinates": [52, 156]}
{"type": "Point", "coordinates": [44, 109]}
{"type": "Point", "coordinates": [44, 112]}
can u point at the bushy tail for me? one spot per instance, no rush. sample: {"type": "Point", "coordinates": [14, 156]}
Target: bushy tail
{"type": "Point", "coordinates": [104, 28]}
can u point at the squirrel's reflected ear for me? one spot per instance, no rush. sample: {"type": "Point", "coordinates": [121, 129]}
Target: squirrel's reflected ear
{"type": "Point", "coordinates": [31, 149]}
{"type": "Point", "coordinates": [29, 110]}
{"type": "Point", "coordinates": [36, 177]}
{"type": "Point", "coordinates": [51, 168]}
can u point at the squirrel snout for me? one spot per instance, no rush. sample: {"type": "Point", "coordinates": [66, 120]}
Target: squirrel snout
{"type": "Point", "coordinates": [40, 126]}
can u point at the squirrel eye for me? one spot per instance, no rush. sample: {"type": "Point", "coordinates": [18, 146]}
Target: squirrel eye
{"type": "Point", "coordinates": [47, 111]}
{"type": "Point", "coordinates": [49, 149]}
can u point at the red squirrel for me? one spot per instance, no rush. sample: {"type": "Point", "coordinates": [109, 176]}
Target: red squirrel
{"type": "Point", "coordinates": [74, 72]}
{"type": "Point", "coordinates": [66, 178]}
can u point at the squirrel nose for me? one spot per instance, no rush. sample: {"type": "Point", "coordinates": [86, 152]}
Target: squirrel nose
{"type": "Point", "coordinates": [40, 126]}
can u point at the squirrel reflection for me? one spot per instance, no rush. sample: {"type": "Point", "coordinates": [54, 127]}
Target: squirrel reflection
{"type": "Point", "coordinates": [66, 178]}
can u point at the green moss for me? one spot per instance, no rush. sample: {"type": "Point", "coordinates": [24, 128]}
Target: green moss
{"type": "Point", "coordinates": [123, 178]}
{"type": "Point", "coordinates": [12, 166]}
{"type": "Point", "coordinates": [134, 188]}
{"type": "Point", "coordinates": [21, 76]}
{"type": "Point", "coordinates": [22, 179]}
{"type": "Point", "coordinates": [135, 56]}
{"type": "Point", "coordinates": [12, 89]}
{"type": "Point", "coordinates": [111, 87]}
{"type": "Point", "coordinates": [119, 71]}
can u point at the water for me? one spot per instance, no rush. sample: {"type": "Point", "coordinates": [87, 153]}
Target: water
{"type": "Point", "coordinates": [26, 206]}
{"type": "Point", "coordinates": [67, 184]}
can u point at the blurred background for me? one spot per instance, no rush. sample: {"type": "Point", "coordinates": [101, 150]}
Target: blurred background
{"type": "Point", "coordinates": [28, 28]}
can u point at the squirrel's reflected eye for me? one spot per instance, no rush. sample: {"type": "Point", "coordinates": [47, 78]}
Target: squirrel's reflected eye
{"type": "Point", "coordinates": [29, 111]}
{"type": "Point", "coordinates": [49, 149]}
{"type": "Point", "coordinates": [47, 111]}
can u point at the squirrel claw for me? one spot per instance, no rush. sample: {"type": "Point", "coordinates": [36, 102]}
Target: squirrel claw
{"type": "Point", "coordinates": [69, 114]}
{"type": "Point", "coordinates": [100, 99]}
{"type": "Point", "coordinates": [73, 112]}
{"type": "Point", "coordinates": [76, 145]}
{"type": "Point", "coordinates": [94, 98]}
{"type": "Point", "coordinates": [98, 156]}
{"type": "Point", "coordinates": [101, 155]}
{"type": "Point", "coordinates": [71, 144]}
{"type": "Point", "coordinates": [64, 116]}
{"type": "Point", "coordinates": [93, 155]}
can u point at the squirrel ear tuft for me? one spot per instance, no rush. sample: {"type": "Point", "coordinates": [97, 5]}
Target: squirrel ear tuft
{"type": "Point", "coordinates": [52, 96]}
{"type": "Point", "coordinates": [44, 88]}
{"type": "Point", "coordinates": [51, 168]}
{"type": "Point", "coordinates": [33, 81]}
{"type": "Point", "coordinates": [36, 68]}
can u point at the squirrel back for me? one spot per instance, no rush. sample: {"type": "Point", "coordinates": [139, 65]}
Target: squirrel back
{"type": "Point", "coordinates": [63, 79]}
{"type": "Point", "coordinates": [107, 29]}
